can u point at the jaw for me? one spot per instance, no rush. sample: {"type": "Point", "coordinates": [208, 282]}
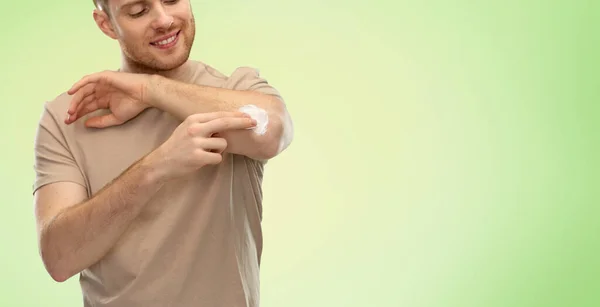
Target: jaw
{"type": "Point", "coordinates": [152, 58]}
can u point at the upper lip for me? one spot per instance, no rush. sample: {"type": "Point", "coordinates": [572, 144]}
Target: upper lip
{"type": "Point", "coordinates": [165, 37]}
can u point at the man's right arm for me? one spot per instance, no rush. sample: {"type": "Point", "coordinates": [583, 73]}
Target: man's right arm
{"type": "Point", "coordinates": [75, 233]}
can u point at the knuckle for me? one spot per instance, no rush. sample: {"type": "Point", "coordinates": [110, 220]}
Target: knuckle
{"type": "Point", "coordinates": [193, 117]}
{"type": "Point", "coordinates": [193, 129]}
{"type": "Point", "coordinates": [190, 131]}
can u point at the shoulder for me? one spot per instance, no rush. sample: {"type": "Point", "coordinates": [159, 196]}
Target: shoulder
{"type": "Point", "coordinates": [52, 116]}
{"type": "Point", "coordinates": [55, 109]}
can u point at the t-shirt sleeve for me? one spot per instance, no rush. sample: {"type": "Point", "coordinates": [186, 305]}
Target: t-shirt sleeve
{"type": "Point", "coordinates": [247, 78]}
{"type": "Point", "coordinates": [53, 161]}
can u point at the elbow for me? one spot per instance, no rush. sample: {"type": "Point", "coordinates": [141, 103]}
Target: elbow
{"type": "Point", "coordinates": [55, 267]}
{"type": "Point", "coordinates": [58, 277]}
{"type": "Point", "coordinates": [267, 148]}
{"type": "Point", "coordinates": [279, 138]}
{"type": "Point", "coordinates": [268, 151]}
{"type": "Point", "coordinates": [278, 133]}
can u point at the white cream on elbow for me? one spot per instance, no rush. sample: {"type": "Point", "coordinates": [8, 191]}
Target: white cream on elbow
{"type": "Point", "coordinates": [259, 115]}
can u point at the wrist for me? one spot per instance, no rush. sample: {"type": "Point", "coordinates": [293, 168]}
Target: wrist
{"type": "Point", "coordinates": [155, 168]}
{"type": "Point", "coordinates": [155, 85]}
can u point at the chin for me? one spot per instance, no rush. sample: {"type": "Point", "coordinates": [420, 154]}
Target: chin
{"type": "Point", "coordinates": [154, 62]}
{"type": "Point", "coordinates": [168, 63]}
{"type": "Point", "coordinates": [160, 60]}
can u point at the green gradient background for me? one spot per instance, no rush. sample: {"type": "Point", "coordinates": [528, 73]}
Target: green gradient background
{"type": "Point", "coordinates": [446, 152]}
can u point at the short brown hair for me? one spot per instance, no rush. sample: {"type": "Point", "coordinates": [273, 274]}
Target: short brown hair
{"type": "Point", "coordinates": [101, 4]}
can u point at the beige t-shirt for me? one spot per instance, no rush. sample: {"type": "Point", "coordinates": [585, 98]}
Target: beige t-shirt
{"type": "Point", "coordinates": [198, 242]}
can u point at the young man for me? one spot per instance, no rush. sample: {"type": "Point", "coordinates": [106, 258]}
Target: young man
{"type": "Point", "coordinates": [148, 178]}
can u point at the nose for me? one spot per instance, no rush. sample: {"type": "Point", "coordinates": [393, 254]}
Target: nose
{"type": "Point", "coordinates": [162, 20]}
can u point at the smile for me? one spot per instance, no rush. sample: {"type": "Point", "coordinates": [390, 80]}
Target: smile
{"type": "Point", "coordinates": [166, 42]}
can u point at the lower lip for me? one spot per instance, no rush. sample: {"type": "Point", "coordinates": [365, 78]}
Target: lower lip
{"type": "Point", "coordinates": [169, 45]}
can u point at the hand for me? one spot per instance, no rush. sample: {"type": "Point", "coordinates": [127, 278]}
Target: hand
{"type": "Point", "coordinates": [123, 94]}
{"type": "Point", "coordinates": [192, 145]}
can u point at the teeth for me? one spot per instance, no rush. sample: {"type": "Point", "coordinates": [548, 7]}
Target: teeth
{"type": "Point", "coordinates": [166, 41]}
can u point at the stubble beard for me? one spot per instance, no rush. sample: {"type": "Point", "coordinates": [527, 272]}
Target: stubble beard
{"type": "Point", "coordinates": [145, 61]}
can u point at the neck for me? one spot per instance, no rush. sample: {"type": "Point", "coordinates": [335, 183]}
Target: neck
{"type": "Point", "coordinates": [180, 73]}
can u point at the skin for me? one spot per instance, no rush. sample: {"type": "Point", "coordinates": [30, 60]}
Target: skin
{"type": "Point", "coordinates": [126, 95]}
{"type": "Point", "coordinates": [143, 82]}
{"type": "Point", "coordinates": [136, 24]}
{"type": "Point", "coordinates": [75, 231]}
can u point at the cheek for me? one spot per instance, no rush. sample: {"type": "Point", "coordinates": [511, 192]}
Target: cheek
{"type": "Point", "coordinates": [133, 37]}
{"type": "Point", "coordinates": [183, 14]}
{"type": "Point", "coordinates": [182, 9]}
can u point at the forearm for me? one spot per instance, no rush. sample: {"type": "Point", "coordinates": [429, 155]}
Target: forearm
{"type": "Point", "coordinates": [182, 100]}
{"type": "Point", "coordinates": [81, 235]}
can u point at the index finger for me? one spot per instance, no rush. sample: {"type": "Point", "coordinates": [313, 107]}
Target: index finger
{"type": "Point", "coordinates": [227, 123]}
{"type": "Point", "coordinates": [206, 117]}
{"type": "Point", "coordinates": [80, 96]}
{"type": "Point", "coordinates": [86, 80]}
{"type": "Point", "coordinates": [79, 84]}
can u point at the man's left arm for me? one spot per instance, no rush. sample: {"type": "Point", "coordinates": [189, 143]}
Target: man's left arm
{"type": "Point", "coordinates": [182, 100]}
